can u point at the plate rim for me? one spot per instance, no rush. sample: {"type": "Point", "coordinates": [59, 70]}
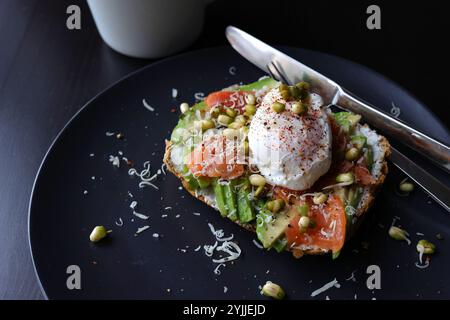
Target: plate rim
{"type": "Point", "coordinates": [164, 60]}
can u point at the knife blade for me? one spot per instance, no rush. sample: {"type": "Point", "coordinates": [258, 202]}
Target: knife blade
{"type": "Point", "coordinates": [263, 56]}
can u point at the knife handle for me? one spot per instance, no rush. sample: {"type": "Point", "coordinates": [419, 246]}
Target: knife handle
{"type": "Point", "coordinates": [429, 147]}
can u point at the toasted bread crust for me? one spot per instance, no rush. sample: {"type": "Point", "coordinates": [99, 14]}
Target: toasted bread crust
{"type": "Point", "coordinates": [366, 201]}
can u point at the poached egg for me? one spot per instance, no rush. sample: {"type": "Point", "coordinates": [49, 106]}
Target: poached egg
{"type": "Point", "coordinates": [290, 150]}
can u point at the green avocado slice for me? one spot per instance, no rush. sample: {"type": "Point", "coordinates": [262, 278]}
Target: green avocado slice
{"type": "Point", "coordinates": [347, 120]}
{"type": "Point", "coordinates": [245, 207]}
{"type": "Point", "coordinates": [219, 193]}
{"type": "Point", "coordinates": [231, 199]}
{"type": "Point", "coordinates": [270, 227]}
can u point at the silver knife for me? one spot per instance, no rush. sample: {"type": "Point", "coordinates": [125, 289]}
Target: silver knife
{"type": "Point", "coordinates": [265, 56]}
{"type": "Point", "coordinates": [292, 71]}
{"type": "Point", "coordinates": [437, 190]}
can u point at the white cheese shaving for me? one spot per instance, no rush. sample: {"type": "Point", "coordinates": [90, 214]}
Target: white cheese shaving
{"type": "Point", "coordinates": [155, 235]}
{"type": "Point", "coordinates": [147, 106]}
{"type": "Point", "coordinates": [199, 96]}
{"type": "Point", "coordinates": [326, 287]}
{"type": "Point", "coordinates": [424, 266]}
{"type": "Point", "coordinates": [231, 248]}
{"type": "Point", "coordinates": [232, 70]}
{"type": "Point", "coordinates": [174, 93]}
{"type": "Point", "coordinates": [219, 234]}
{"type": "Point", "coordinates": [133, 204]}
{"type": "Point", "coordinates": [144, 175]}
{"type": "Point", "coordinates": [109, 134]}
{"type": "Point", "coordinates": [333, 225]}
{"type": "Point", "coordinates": [196, 213]}
{"type": "Point", "coordinates": [119, 222]}
{"type": "Point", "coordinates": [223, 182]}
{"type": "Point", "coordinates": [327, 235]}
{"type": "Point", "coordinates": [141, 229]}
{"type": "Point", "coordinates": [140, 215]}
{"type": "Point", "coordinates": [257, 244]}
{"type": "Point", "coordinates": [85, 192]}
{"type": "Point", "coordinates": [168, 208]}
{"type": "Point", "coordinates": [209, 249]}
{"type": "Point", "coordinates": [216, 270]}
{"type": "Point", "coordinates": [225, 289]}
{"type": "Point", "coordinates": [198, 248]}
{"type": "Point", "coordinates": [142, 184]}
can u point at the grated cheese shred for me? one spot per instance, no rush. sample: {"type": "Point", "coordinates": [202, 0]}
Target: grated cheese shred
{"type": "Point", "coordinates": [147, 106]}
{"type": "Point", "coordinates": [329, 285]}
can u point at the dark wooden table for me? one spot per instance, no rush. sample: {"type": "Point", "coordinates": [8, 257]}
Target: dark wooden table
{"type": "Point", "coordinates": [48, 72]}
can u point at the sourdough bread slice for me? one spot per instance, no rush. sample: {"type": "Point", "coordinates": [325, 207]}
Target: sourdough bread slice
{"type": "Point", "coordinates": [381, 151]}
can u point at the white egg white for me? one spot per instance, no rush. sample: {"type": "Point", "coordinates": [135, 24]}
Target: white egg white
{"type": "Point", "coordinates": [289, 150]}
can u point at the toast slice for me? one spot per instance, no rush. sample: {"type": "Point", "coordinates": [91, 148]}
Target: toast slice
{"type": "Point", "coordinates": [380, 151]}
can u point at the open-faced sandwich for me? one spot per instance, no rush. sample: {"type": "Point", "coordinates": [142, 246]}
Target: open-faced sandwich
{"type": "Point", "coordinates": [273, 159]}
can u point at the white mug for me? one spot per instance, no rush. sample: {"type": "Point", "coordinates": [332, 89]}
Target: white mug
{"type": "Point", "coordinates": [148, 28]}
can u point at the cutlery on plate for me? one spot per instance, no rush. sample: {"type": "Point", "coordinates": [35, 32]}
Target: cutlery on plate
{"type": "Point", "coordinates": [290, 71]}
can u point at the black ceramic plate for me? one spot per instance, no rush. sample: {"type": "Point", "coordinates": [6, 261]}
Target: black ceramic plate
{"type": "Point", "coordinates": [126, 266]}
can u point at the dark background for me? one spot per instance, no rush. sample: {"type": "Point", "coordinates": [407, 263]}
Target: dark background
{"type": "Point", "coordinates": [48, 72]}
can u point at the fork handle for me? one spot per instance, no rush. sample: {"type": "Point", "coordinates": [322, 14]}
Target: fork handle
{"type": "Point", "coordinates": [435, 150]}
